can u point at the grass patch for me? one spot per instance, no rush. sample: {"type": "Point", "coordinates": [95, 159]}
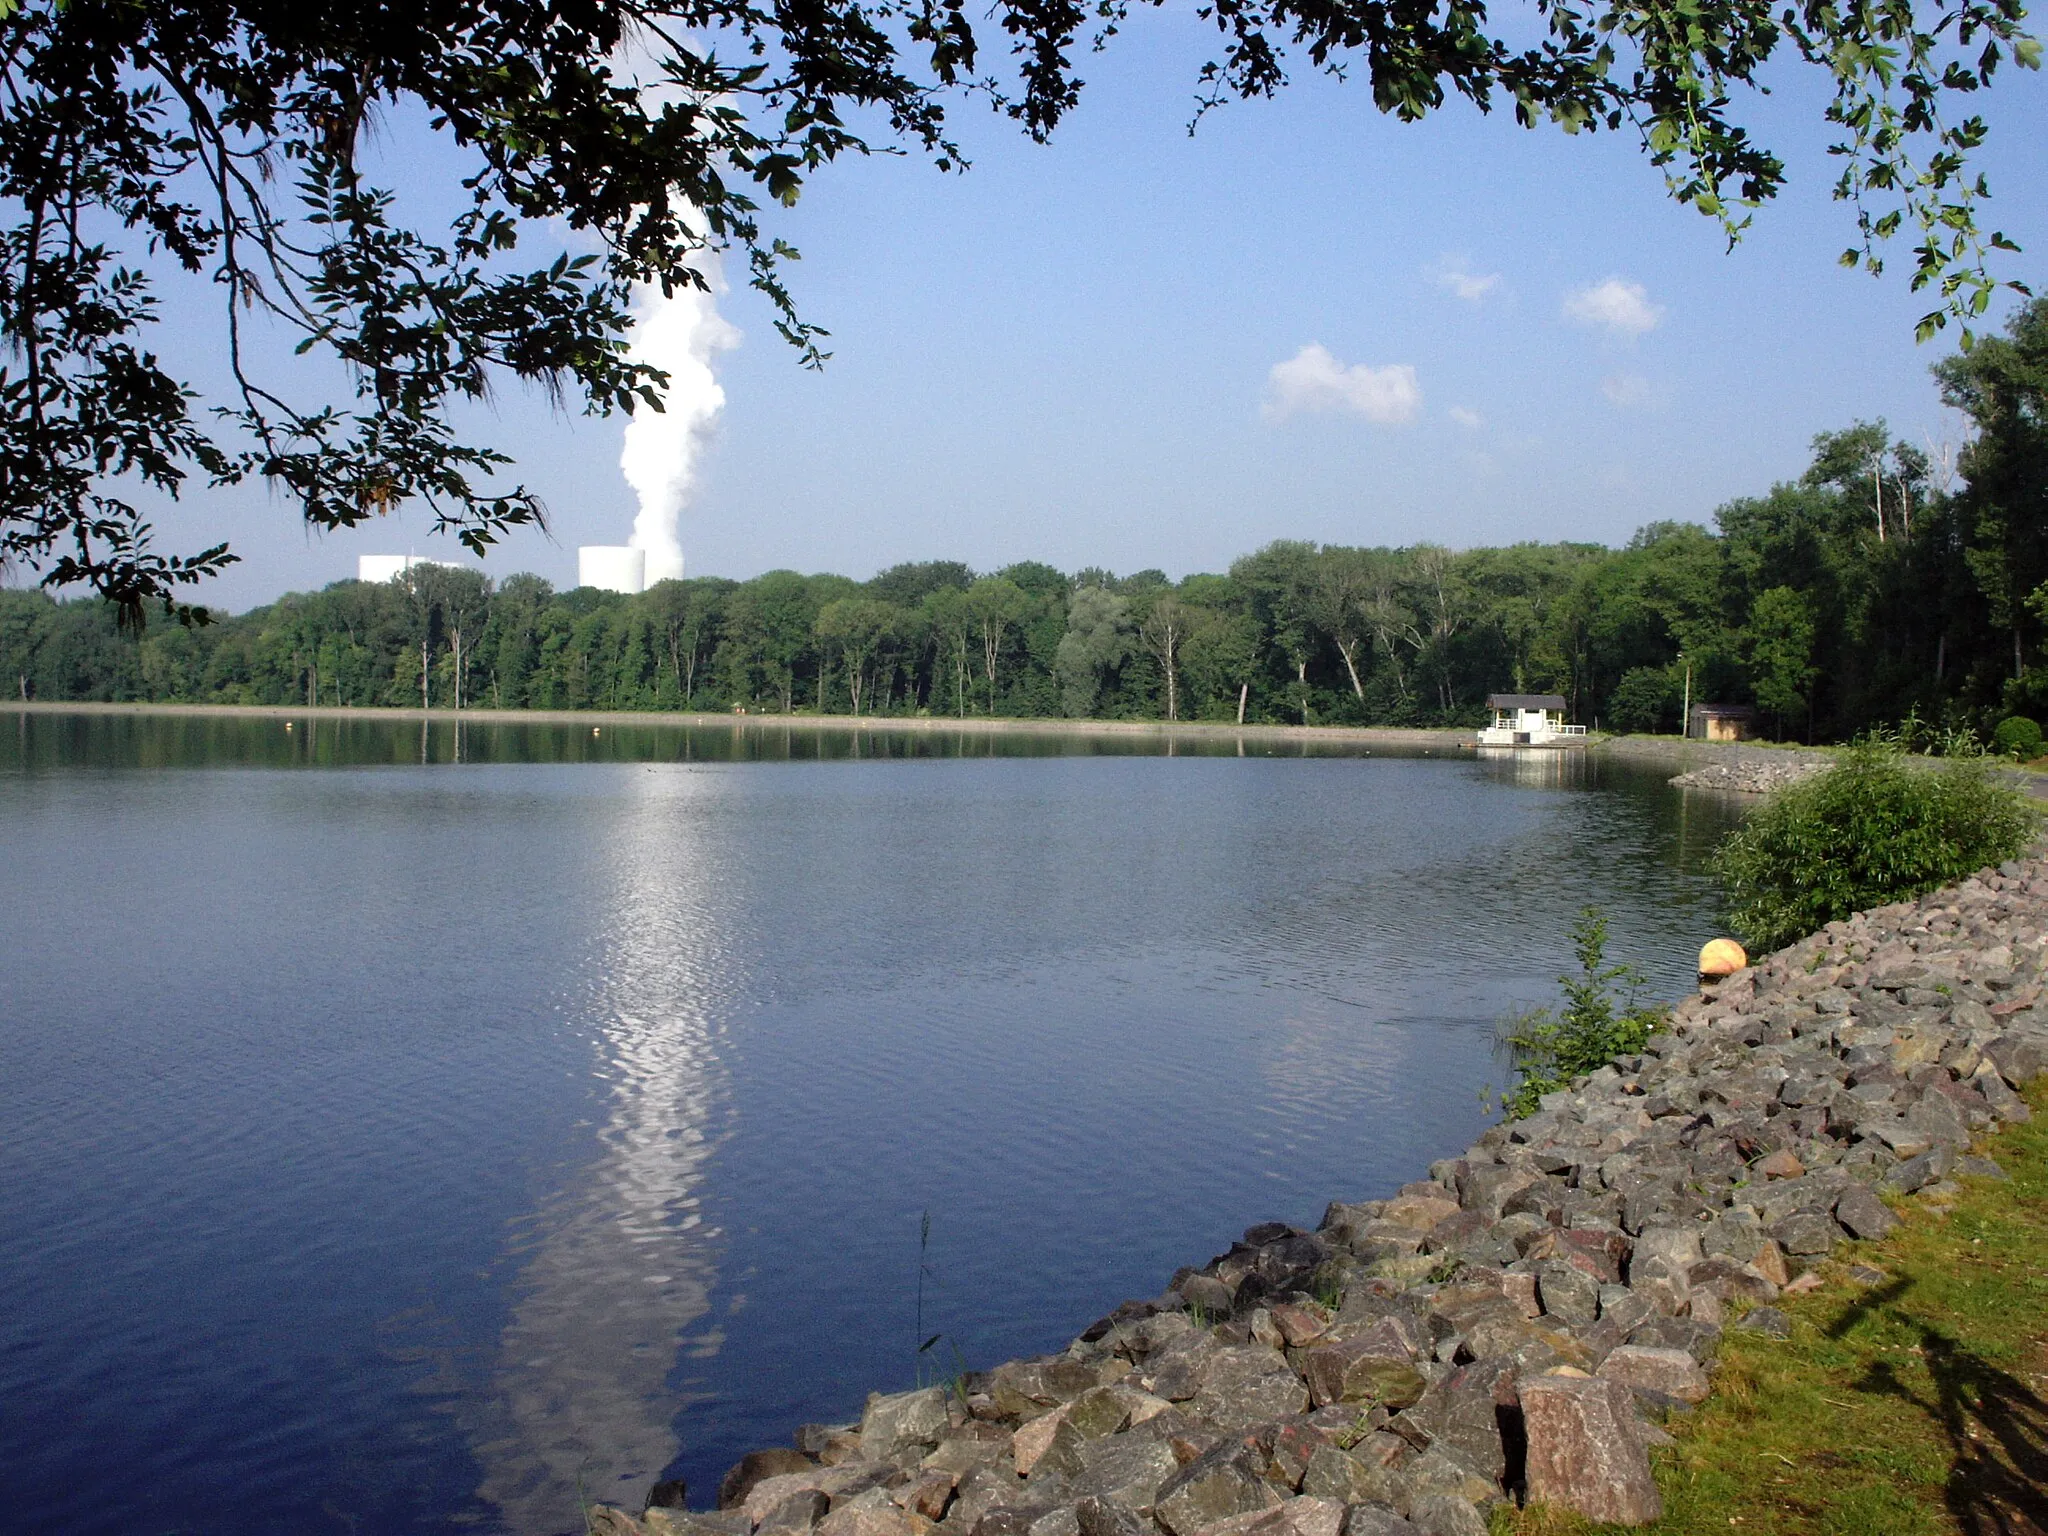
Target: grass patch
{"type": "Point", "coordinates": [1916, 1406]}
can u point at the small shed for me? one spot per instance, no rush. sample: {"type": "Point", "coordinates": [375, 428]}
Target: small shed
{"type": "Point", "coordinates": [1720, 722]}
{"type": "Point", "coordinates": [1527, 720]}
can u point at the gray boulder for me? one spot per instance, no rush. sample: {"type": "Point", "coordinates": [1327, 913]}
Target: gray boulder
{"type": "Point", "coordinates": [1337, 1474]}
{"type": "Point", "coordinates": [980, 1490]}
{"type": "Point", "coordinates": [663, 1520]}
{"type": "Point", "coordinates": [1916, 1173]}
{"type": "Point", "coordinates": [1438, 1473]}
{"type": "Point", "coordinates": [1733, 1235]}
{"type": "Point", "coordinates": [1768, 1321]}
{"type": "Point", "coordinates": [1376, 1520]}
{"type": "Point", "coordinates": [839, 1483]}
{"type": "Point", "coordinates": [1862, 1214]}
{"type": "Point", "coordinates": [1106, 1517]}
{"type": "Point", "coordinates": [877, 1518]}
{"type": "Point", "coordinates": [1696, 1338]}
{"type": "Point", "coordinates": [1806, 1233]}
{"type": "Point", "coordinates": [1567, 1293]}
{"type": "Point", "coordinates": [2018, 1059]}
{"type": "Point", "coordinates": [1125, 1470]}
{"type": "Point", "coordinates": [795, 1515]}
{"type": "Point", "coordinates": [1207, 1294]}
{"type": "Point", "coordinates": [1462, 1415]}
{"type": "Point", "coordinates": [1668, 1372]}
{"type": "Point", "coordinates": [1030, 1520]}
{"type": "Point", "coordinates": [1248, 1385]}
{"type": "Point", "coordinates": [1214, 1486]}
{"type": "Point", "coordinates": [1941, 1120]}
{"type": "Point", "coordinates": [2006, 1104]}
{"type": "Point", "coordinates": [1176, 1369]}
{"type": "Point", "coordinates": [893, 1424]}
{"type": "Point", "coordinates": [755, 1466]}
{"type": "Point", "coordinates": [1295, 1517]}
{"type": "Point", "coordinates": [1378, 1366]}
{"type": "Point", "coordinates": [1446, 1514]}
{"type": "Point", "coordinates": [1025, 1388]}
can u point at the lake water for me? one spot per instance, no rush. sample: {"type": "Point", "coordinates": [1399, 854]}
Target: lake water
{"type": "Point", "coordinates": [389, 1144]}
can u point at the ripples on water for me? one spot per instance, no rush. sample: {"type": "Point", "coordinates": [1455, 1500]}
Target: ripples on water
{"type": "Point", "coordinates": [402, 1145]}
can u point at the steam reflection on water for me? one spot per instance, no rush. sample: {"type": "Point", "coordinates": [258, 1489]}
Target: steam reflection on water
{"type": "Point", "coordinates": [579, 1404]}
{"type": "Point", "coordinates": [520, 1133]}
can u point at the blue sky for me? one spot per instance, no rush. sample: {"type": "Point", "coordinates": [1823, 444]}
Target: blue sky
{"type": "Point", "coordinates": [1067, 353]}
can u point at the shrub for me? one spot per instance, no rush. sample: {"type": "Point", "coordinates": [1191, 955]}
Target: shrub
{"type": "Point", "coordinates": [2017, 736]}
{"type": "Point", "coordinates": [1871, 829]}
{"type": "Point", "coordinates": [1643, 700]}
{"type": "Point", "coordinates": [1550, 1046]}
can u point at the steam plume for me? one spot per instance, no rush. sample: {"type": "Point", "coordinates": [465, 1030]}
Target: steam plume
{"type": "Point", "coordinates": [679, 333]}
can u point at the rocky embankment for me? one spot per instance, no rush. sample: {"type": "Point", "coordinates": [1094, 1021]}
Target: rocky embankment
{"type": "Point", "coordinates": [1750, 776]}
{"type": "Point", "coordinates": [1515, 1325]}
{"type": "Point", "coordinates": [1725, 765]}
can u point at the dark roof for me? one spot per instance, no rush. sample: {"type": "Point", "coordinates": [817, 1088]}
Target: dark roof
{"type": "Point", "coordinates": [1525, 701]}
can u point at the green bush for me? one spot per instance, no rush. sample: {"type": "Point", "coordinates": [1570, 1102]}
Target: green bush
{"type": "Point", "coordinates": [1552, 1046]}
{"type": "Point", "coordinates": [1872, 829]}
{"type": "Point", "coordinates": [1644, 700]}
{"type": "Point", "coordinates": [2017, 736]}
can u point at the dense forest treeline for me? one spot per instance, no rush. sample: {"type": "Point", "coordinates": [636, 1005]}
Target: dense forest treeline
{"type": "Point", "coordinates": [1876, 586]}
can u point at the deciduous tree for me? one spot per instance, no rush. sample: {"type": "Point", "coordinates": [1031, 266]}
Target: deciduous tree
{"type": "Point", "coordinates": [1098, 638]}
{"type": "Point", "coordinates": [227, 138]}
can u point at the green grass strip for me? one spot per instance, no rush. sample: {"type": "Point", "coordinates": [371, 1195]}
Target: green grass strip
{"type": "Point", "coordinates": [1915, 1405]}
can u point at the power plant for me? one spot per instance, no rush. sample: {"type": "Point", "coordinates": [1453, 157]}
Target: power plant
{"type": "Point", "coordinates": [382, 568]}
{"type": "Point", "coordinates": [608, 567]}
{"type": "Point", "coordinates": [612, 567]}
{"type": "Point", "coordinates": [680, 333]}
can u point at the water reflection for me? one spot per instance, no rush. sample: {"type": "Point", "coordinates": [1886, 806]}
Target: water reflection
{"type": "Point", "coordinates": [1535, 767]}
{"type": "Point", "coordinates": [1096, 1015]}
{"type": "Point", "coordinates": [578, 1406]}
{"type": "Point", "coordinates": [45, 740]}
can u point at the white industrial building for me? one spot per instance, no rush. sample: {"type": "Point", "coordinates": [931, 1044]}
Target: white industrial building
{"type": "Point", "coordinates": [382, 568]}
{"type": "Point", "coordinates": [611, 568]}
{"type": "Point", "coordinates": [608, 567]}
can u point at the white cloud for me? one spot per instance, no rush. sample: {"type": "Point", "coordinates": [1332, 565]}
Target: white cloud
{"type": "Point", "coordinates": [1629, 391]}
{"type": "Point", "coordinates": [1621, 307]}
{"type": "Point", "coordinates": [1313, 380]}
{"type": "Point", "coordinates": [1455, 276]}
{"type": "Point", "coordinates": [1465, 416]}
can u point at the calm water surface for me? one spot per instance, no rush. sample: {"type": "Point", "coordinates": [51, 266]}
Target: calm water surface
{"type": "Point", "coordinates": [393, 1144]}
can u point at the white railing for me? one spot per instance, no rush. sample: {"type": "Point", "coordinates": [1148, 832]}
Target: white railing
{"type": "Point", "coordinates": [1567, 730]}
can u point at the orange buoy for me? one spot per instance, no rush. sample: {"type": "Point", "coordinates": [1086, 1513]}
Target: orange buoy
{"type": "Point", "coordinates": [1722, 957]}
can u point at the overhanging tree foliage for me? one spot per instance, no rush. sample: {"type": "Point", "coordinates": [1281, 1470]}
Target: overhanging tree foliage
{"type": "Point", "coordinates": [227, 138]}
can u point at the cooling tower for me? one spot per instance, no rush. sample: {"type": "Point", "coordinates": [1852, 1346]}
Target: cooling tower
{"type": "Point", "coordinates": [611, 567]}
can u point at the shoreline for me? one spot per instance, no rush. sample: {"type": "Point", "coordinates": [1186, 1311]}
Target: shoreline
{"type": "Point", "coordinates": [1512, 1328]}
{"type": "Point", "coordinates": [1647, 750]}
{"type": "Point", "coordinates": [1393, 736]}
{"type": "Point", "coordinates": [1673, 755]}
